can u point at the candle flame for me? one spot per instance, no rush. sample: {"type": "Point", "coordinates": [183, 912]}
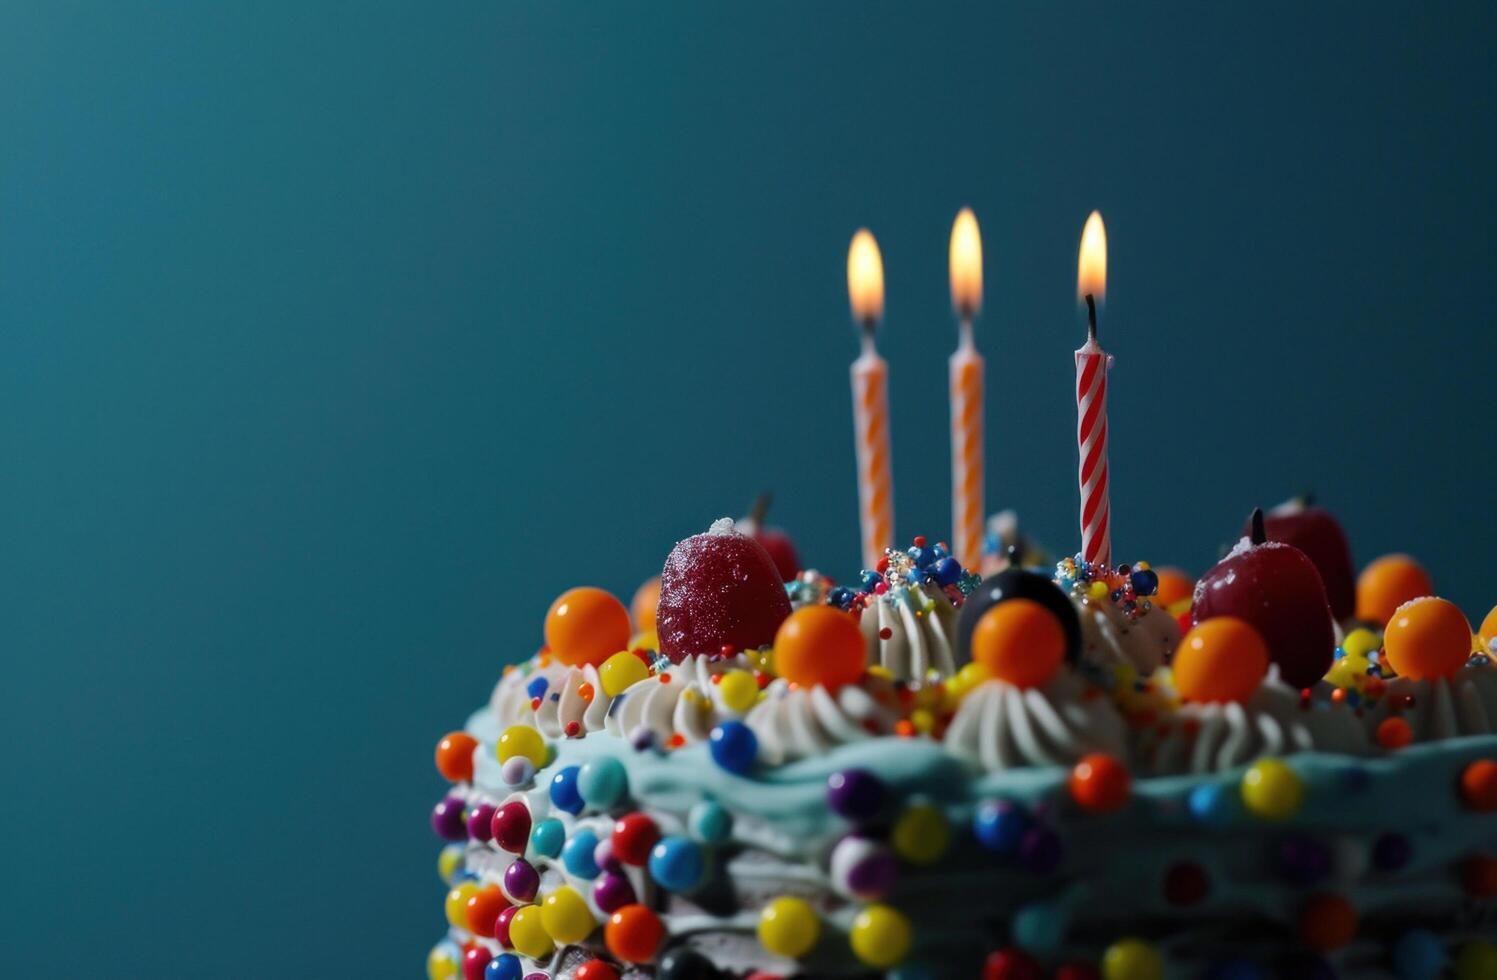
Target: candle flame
{"type": "Point", "coordinates": [1091, 265]}
{"type": "Point", "coordinates": [966, 264]}
{"type": "Point", "coordinates": [865, 278]}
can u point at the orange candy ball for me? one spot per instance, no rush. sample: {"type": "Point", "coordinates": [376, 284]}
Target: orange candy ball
{"type": "Point", "coordinates": [1100, 783]}
{"type": "Point", "coordinates": [633, 934]}
{"type": "Point", "coordinates": [1394, 733]}
{"type": "Point", "coordinates": [1488, 629]}
{"type": "Point", "coordinates": [484, 908]}
{"type": "Point", "coordinates": [1388, 583]}
{"type": "Point", "coordinates": [1327, 922]}
{"type": "Point", "coordinates": [1479, 785]}
{"type": "Point", "coordinates": [1019, 641]}
{"type": "Point", "coordinates": [455, 757]}
{"type": "Point", "coordinates": [1427, 638]}
{"type": "Point", "coordinates": [642, 606]}
{"type": "Point", "coordinates": [1174, 586]}
{"type": "Point", "coordinates": [586, 626]}
{"type": "Point", "coordinates": [1220, 659]}
{"type": "Point", "coordinates": [820, 645]}
{"type": "Point", "coordinates": [1479, 876]}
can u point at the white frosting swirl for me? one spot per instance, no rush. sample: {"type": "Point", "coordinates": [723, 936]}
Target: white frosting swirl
{"type": "Point", "coordinates": [1465, 704]}
{"type": "Point", "coordinates": [917, 642]}
{"type": "Point", "coordinates": [561, 704]}
{"type": "Point", "coordinates": [1001, 726]}
{"type": "Point", "coordinates": [1109, 637]}
{"type": "Point", "coordinates": [683, 701]}
{"type": "Point", "coordinates": [794, 723]}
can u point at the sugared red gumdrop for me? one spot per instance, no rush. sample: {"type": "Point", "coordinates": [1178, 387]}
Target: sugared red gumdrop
{"type": "Point", "coordinates": [1222, 659]}
{"type": "Point", "coordinates": [820, 645]}
{"type": "Point", "coordinates": [719, 589]}
{"type": "Point", "coordinates": [1426, 639]}
{"type": "Point", "coordinates": [1388, 583]}
{"type": "Point", "coordinates": [586, 626]}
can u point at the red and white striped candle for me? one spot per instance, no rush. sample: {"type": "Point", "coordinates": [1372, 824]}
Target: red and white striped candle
{"type": "Point", "coordinates": [1092, 364]}
{"type": "Point", "coordinates": [870, 401]}
{"type": "Point", "coordinates": [966, 380]}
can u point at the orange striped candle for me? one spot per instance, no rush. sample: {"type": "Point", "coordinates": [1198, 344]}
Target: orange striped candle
{"type": "Point", "coordinates": [966, 395]}
{"type": "Point", "coordinates": [870, 400]}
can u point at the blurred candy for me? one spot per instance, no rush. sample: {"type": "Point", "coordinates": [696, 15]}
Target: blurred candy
{"type": "Point", "coordinates": [1221, 659]}
{"type": "Point", "coordinates": [612, 892]}
{"type": "Point", "coordinates": [739, 690]}
{"type": "Point", "coordinates": [1020, 642]}
{"type": "Point", "coordinates": [456, 904]}
{"type": "Point", "coordinates": [1319, 535]}
{"type": "Point", "coordinates": [448, 819]}
{"type": "Point", "coordinates": [595, 970]}
{"type": "Point", "coordinates": [455, 757]}
{"type": "Point", "coordinates": [564, 793]}
{"type": "Point", "coordinates": [1327, 922]}
{"type": "Point", "coordinates": [566, 916]}
{"type": "Point", "coordinates": [1132, 959]}
{"type": "Point", "coordinates": [719, 589]}
{"type": "Point", "coordinates": [442, 962]}
{"type": "Point", "coordinates": [921, 834]}
{"type": "Point", "coordinates": [1303, 860]}
{"type": "Point", "coordinates": [1100, 783]}
{"type": "Point", "coordinates": [510, 828]}
{"type": "Point", "coordinates": [1272, 790]}
{"type": "Point", "coordinates": [521, 881]}
{"type": "Point", "coordinates": [1488, 629]}
{"type": "Point", "coordinates": [856, 794]}
{"type": "Point", "coordinates": [1210, 803]}
{"type": "Point", "coordinates": [501, 926]}
{"type": "Point", "coordinates": [1006, 586]}
{"type": "Point", "coordinates": [547, 838]}
{"type": "Point", "coordinates": [999, 825]}
{"type": "Point", "coordinates": [450, 863]}
{"type": "Point", "coordinates": [788, 927]}
{"type": "Point", "coordinates": [1394, 733]}
{"type": "Point", "coordinates": [1479, 876]}
{"type": "Point", "coordinates": [642, 606]}
{"type": "Point", "coordinates": [880, 936]}
{"type": "Point", "coordinates": [1040, 850]}
{"type": "Point", "coordinates": [1477, 960]}
{"type": "Point", "coordinates": [1039, 927]}
{"type": "Point", "coordinates": [505, 966]}
{"type": "Point", "coordinates": [734, 746]}
{"type": "Point", "coordinates": [709, 822]}
{"type": "Point", "coordinates": [1174, 587]}
{"type": "Point", "coordinates": [1388, 583]}
{"type": "Point", "coordinates": [577, 854]}
{"type": "Point", "coordinates": [1479, 785]}
{"type": "Point", "coordinates": [481, 822]}
{"type": "Point", "coordinates": [527, 933]}
{"type": "Point", "coordinates": [820, 645]}
{"type": "Point", "coordinates": [1427, 638]}
{"type": "Point", "coordinates": [483, 909]}
{"type": "Point", "coordinates": [684, 963]}
{"type": "Point", "coordinates": [677, 864]}
{"type": "Point", "coordinates": [524, 741]}
{"type": "Point", "coordinates": [602, 782]}
{"type": "Point", "coordinates": [1360, 642]}
{"type": "Point", "coordinates": [634, 834]}
{"type": "Point", "coordinates": [475, 963]}
{"type": "Point", "coordinates": [1011, 964]}
{"type": "Point", "coordinates": [1419, 955]}
{"type": "Point", "coordinates": [1391, 852]}
{"type": "Point", "coordinates": [1186, 883]}
{"type": "Point", "coordinates": [1083, 971]}
{"type": "Point", "coordinates": [517, 771]}
{"type": "Point", "coordinates": [621, 672]}
{"type": "Point", "coordinates": [586, 626]}
{"type": "Point", "coordinates": [863, 868]}
{"type": "Point", "coordinates": [633, 934]}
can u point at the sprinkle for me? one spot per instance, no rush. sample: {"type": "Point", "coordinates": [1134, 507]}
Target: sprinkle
{"type": "Point", "coordinates": [885, 633]}
{"type": "Point", "coordinates": [920, 541]}
{"type": "Point", "coordinates": [535, 704]}
{"type": "Point", "coordinates": [586, 692]}
{"type": "Point", "coordinates": [573, 729]}
{"type": "Point", "coordinates": [675, 741]}
{"type": "Point", "coordinates": [665, 678]}
{"type": "Point", "coordinates": [904, 728]}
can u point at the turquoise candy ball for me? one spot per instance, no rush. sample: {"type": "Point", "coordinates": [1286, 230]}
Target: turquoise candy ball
{"type": "Point", "coordinates": [709, 822]}
{"type": "Point", "coordinates": [602, 782]}
{"type": "Point", "coordinates": [1039, 928]}
{"type": "Point", "coordinates": [677, 864]}
{"type": "Point", "coordinates": [1419, 955]}
{"type": "Point", "coordinates": [547, 838]}
{"type": "Point", "coordinates": [577, 855]}
{"type": "Point", "coordinates": [1211, 804]}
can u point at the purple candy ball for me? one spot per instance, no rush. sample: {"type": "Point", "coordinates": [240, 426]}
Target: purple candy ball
{"type": "Point", "coordinates": [874, 876]}
{"type": "Point", "coordinates": [1303, 860]}
{"type": "Point", "coordinates": [447, 819]}
{"type": "Point", "coordinates": [604, 858]}
{"type": "Point", "coordinates": [1040, 851]}
{"type": "Point", "coordinates": [480, 822]}
{"type": "Point", "coordinates": [612, 892]}
{"type": "Point", "coordinates": [521, 881]}
{"type": "Point", "coordinates": [517, 770]}
{"type": "Point", "coordinates": [856, 794]}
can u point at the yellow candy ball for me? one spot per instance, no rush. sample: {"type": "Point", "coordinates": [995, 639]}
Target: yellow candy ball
{"type": "Point", "coordinates": [521, 740]}
{"type": "Point", "coordinates": [450, 862]}
{"type": "Point", "coordinates": [566, 917]}
{"type": "Point", "coordinates": [1272, 790]}
{"type": "Point", "coordinates": [1349, 671]}
{"type": "Point", "coordinates": [789, 927]}
{"type": "Point", "coordinates": [527, 934]}
{"type": "Point", "coordinates": [1488, 630]}
{"type": "Point", "coordinates": [621, 672]}
{"type": "Point", "coordinates": [1477, 960]}
{"type": "Point", "coordinates": [456, 905]}
{"type": "Point", "coordinates": [441, 962]}
{"type": "Point", "coordinates": [644, 640]}
{"type": "Point", "coordinates": [1360, 642]}
{"type": "Point", "coordinates": [921, 834]}
{"type": "Point", "coordinates": [1098, 590]}
{"type": "Point", "coordinates": [1131, 959]}
{"type": "Point", "coordinates": [739, 690]}
{"type": "Point", "coordinates": [880, 936]}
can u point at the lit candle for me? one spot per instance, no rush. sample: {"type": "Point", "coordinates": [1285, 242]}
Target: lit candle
{"type": "Point", "coordinates": [1092, 364]}
{"type": "Point", "coordinates": [870, 400]}
{"type": "Point", "coordinates": [966, 371]}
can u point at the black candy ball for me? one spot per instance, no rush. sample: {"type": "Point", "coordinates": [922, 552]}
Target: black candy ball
{"type": "Point", "coordinates": [1017, 583]}
{"type": "Point", "coordinates": [685, 963]}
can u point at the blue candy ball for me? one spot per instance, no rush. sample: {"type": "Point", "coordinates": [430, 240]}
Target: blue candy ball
{"type": "Point", "coordinates": [1145, 583]}
{"type": "Point", "coordinates": [602, 782]}
{"type": "Point", "coordinates": [947, 571]}
{"type": "Point", "coordinates": [676, 864]}
{"type": "Point", "coordinates": [1418, 955]}
{"type": "Point", "coordinates": [537, 687]}
{"type": "Point", "coordinates": [505, 966]}
{"type": "Point", "coordinates": [734, 746]}
{"type": "Point", "coordinates": [709, 822]}
{"type": "Point", "coordinates": [548, 837]}
{"type": "Point", "coordinates": [999, 825]}
{"type": "Point", "coordinates": [577, 855]}
{"type": "Point", "coordinates": [1210, 803]}
{"type": "Point", "coordinates": [564, 795]}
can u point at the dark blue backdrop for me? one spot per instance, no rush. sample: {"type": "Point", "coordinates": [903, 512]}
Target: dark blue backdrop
{"type": "Point", "coordinates": [339, 337]}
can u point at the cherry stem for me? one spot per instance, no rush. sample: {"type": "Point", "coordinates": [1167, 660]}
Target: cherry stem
{"type": "Point", "coordinates": [1259, 535]}
{"type": "Point", "coordinates": [1091, 317]}
{"type": "Point", "coordinates": [760, 508]}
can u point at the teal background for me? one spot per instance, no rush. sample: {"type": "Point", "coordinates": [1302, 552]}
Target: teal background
{"type": "Point", "coordinates": [337, 338]}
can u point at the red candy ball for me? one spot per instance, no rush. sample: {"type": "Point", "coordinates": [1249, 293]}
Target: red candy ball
{"type": "Point", "coordinates": [1011, 964]}
{"type": "Point", "coordinates": [511, 826]}
{"type": "Point", "coordinates": [455, 757]}
{"type": "Point", "coordinates": [501, 926]}
{"type": "Point", "coordinates": [475, 962]}
{"type": "Point", "coordinates": [1186, 883]}
{"type": "Point", "coordinates": [633, 836]}
{"type": "Point", "coordinates": [1100, 783]}
{"type": "Point", "coordinates": [1077, 971]}
{"type": "Point", "coordinates": [596, 970]}
{"type": "Point", "coordinates": [1327, 922]}
{"type": "Point", "coordinates": [1479, 785]}
{"type": "Point", "coordinates": [1479, 876]}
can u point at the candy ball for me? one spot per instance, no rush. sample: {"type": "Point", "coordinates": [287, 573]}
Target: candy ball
{"type": "Point", "coordinates": [476, 960]}
{"type": "Point", "coordinates": [789, 927]}
{"type": "Point", "coordinates": [547, 838]}
{"type": "Point", "coordinates": [1040, 850]}
{"type": "Point", "coordinates": [442, 962]}
{"type": "Point", "coordinates": [595, 970]}
{"type": "Point", "coordinates": [642, 606]}
{"type": "Point", "coordinates": [455, 757]}
{"type": "Point", "coordinates": [602, 782]}
{"type": "Point", "coordinates": [1210, 803]}
{"type": "Point", "coordinates": [1427, 638]}
{"type": "Point", "coordinates": [1220, 659]}
{"type": "Point", "coordinates": [1488, 631]}
{"type": "Point", "coordinates": [1479, 785]}
{"type": "Point", "coordinates": [1020, 642]}
{"type": "Point", "coordinates": [856, 794]}
{"type": "Point", "coordinates": [1100, 783]}
{"type": "Point", "coordinates": [709, 822]}
{"type": "Point", "coordinates": [863, 868]}
{"type": "Point", "coordinates": [501, 926]}
{"type": "Point", "coordinates": [1185, 884]}
{"type": "Point", "coordinates": [613, 891]}
{"type": "Point", "coordinates": [517, 771]}
{"type": "Point", "coordinates": [1039, 927]}
{"type": "Point", "coordinates": [1477, 960]}
{"type": "Point", "coordinates": [483, 910]}
{"type": "Point", "coordinates": [621, 672]}
{"type": "Point", "coordinates": [1419, 955]}
{"type": "Point", "coordinates": [521, 881]}
{"type": "Point", "coordinates": [1360, 642]}
{"type": "Point", "coordinates": [634, 835]}
{"type": "Point", "coordinates": [1011, 964]}
{"type": "Point", "coordinates": [921, 834]}
{"type": "Point", "coordinates": [456, 904]}
{"type": "Point", "coordinates": [633, 934]}
{"type": "Point", "coordinates": [738, 690]}
{"type": "Point", "coordinates": [1388, 583]}
{"type": "Point", "coordinates": [524, 741]}
{"type": "Point", "coordinates": [820, 645]}
{"type": "Point", "coordinates": [1007, 586]}
{"type": "Point", "coordinates": [684, 963]}
{"type": "Point", "coordinates": [510, 828]}
{"type": "Point", "coordinates": [1271, 790]}
{"type": "Point", "coordinates": [450, 863]}
{"type": "Point", "coordinates": [577, 855]}
{"type": "Point", "coordinates": [677, 864]}
{"type": "Point", "coordinates": [586, 626]}
{"type": "Point", "coordinates": [880, 936]}
{"type": "Point", "coordinates": [999, 825]}
{"type": "Point", "coordinates": [1174, 587]}
{"type": "Point", "coordinates": [481, 821]}
{"type": "Point", "coordinates": [448, 819]}
{"type": "Point", "coordinates": [1132, 959]}
{"type": "Point", "coordinates": [1327, 922]}
{"type": "Point", "coordinates": [505, 966]}
{"type": "Point", "coordinates": [1081, 971]}
{"type": "Point", "coordinates": [527, 933]}
{"type": "Point", "coordinates": [734, 746]}
{"type": "Point", "coordinates": [564, 793]}
{"type": "Point", "coordinates": [1303, 860]}
{"type": "Point", "coordinates": [566, 916]}
{"type": "Point", "coordinates": [1479, 876]}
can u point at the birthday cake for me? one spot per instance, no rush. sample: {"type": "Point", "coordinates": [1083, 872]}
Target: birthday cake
{"type": "Point", "coordinates": [1079, 770]}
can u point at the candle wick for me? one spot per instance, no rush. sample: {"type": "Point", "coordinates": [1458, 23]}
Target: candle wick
{"type": "Point", "coordinates": [1091, 317]}
{"type": "Point", "coordinates": [965, 339]}
{"type": "Point", "coordinates": [867, 323]}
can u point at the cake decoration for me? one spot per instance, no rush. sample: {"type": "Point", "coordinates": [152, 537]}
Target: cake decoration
{"type": "Point", "coordinates": [718, 589]}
